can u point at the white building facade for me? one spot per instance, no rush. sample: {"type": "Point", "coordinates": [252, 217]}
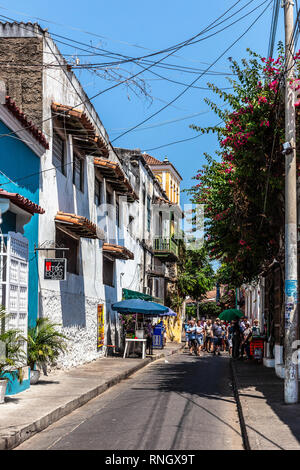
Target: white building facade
{"type": "Point", "coordinates": [99, 203]}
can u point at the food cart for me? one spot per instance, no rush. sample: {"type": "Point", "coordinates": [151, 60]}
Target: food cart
{"type": "Point", "coordinates": [141, 309]}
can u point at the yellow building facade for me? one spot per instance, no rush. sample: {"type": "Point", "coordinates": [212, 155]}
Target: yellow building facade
{"type": "Point", "coordinates": [168, 177]}
{"type": "Point", "coordinates": [170, 180]}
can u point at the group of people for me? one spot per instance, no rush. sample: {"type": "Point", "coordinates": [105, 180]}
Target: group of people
{"type": "Point", "coordinates": [217, 335]}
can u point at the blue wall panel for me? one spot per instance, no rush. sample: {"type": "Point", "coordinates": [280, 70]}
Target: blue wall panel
{"type": "Point", "coordinates": [21, 165]}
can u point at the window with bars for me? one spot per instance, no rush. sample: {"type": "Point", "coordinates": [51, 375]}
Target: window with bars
{"type": "Point", "coordinates": [58, 153]}
{"type": "Point", "coordinates": [78, 171]}
{"type": "Point", "coordinates": [98, 191]}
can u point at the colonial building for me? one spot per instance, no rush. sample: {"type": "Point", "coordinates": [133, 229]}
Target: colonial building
{"type": "Point", "coordinates": [21, 150]}
{"type": "Point", "coordinates": [102, 205]}
{"type": "Point", "coordinates": [81, 182]}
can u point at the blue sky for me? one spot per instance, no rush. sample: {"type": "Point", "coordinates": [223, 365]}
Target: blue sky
{"type": "Point", "coordinates": [154, 26]}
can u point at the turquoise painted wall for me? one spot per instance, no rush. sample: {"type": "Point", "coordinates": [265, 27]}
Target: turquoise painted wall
{"type": "Point", "coordinates": [16, 161]}
{"type": "Point", "coordinates": [14, 385]}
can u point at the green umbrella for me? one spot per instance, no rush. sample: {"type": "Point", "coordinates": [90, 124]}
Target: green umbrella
{"type": "Point", "coordinates": [231, 314]}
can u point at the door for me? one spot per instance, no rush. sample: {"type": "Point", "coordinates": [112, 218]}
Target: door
{"type": "Point", "coordinates": [14, 280]}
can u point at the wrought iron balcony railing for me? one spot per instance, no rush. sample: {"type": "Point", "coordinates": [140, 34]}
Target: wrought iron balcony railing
{"type": "Point", "coordinates": [165, 247]}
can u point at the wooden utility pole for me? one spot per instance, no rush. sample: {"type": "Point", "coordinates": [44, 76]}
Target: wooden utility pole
{"type": "Point", "coordinates": [291, 279]}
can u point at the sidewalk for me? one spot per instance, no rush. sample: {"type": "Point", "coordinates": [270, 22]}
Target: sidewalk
{"type": "Point", "coordinates": [269, 423]}
{"type": "Point", "coordinates": [62, 392]}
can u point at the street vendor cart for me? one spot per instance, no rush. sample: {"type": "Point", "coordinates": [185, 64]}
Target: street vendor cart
{"type": "Point", "coordinates": [141, 309]}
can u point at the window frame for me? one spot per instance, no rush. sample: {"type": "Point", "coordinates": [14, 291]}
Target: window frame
{"type": "Point", "coordinates": [113, 263]}
{"type": "Point", "coordinates": [76, 247]}
{"type": "Point", "coordinates": [99, 195]}
{"type": "Point", "coordinates": [79, 157]}
{"type": "Point", "coordinates": [62, 163]}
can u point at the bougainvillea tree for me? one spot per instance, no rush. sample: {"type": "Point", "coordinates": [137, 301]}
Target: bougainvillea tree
{"type": "Point", "coordinates": [242, 188]}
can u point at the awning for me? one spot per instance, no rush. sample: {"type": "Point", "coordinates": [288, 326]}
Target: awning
{"type": "Point", "coordinates": [22, 202]}
{"type": "Point", "coordinates": [78, 225]}
{"type": "Point", "coordinates": [132, 294]}
{"type": "Point", "coordinates": [117, 251]}
{"type": "Point", "coordinates": [139, 306]}
{"type": "Point", "coordinates": [84, 132]}
{"type": "Point", "coordinates": [113, 174]}
{"type": "Point", "coordinates": [169, 313]}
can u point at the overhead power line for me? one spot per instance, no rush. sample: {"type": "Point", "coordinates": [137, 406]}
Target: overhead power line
{"type": "Point", "coordinates": [273, 30]}
{"type": "Point", "coordinates": [126, 80]}
{"type": "Point", "coordinates": [199, 76]}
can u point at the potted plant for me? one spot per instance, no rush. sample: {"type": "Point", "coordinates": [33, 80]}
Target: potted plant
{"type": "Point", "coordinates": [12, 353]}
{"type": "Point", "coordinates": [45, 343]}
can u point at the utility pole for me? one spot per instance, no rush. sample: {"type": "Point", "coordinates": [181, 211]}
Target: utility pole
{"type": "Point", "coordinates": [291, 279]}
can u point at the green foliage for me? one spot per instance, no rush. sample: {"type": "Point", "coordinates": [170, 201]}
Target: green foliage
{"type": "Point", "coordinates": [45, 343]}
{"type": "Point", "coordinates": [176, 302]}
{"type": "Point", "coordinates": [12, 342]}
{"type": "Point", "coordinates": [243, 193]}
{"type": "Point", "coordinates": [196, 276]}
{"type": "Point", "coordinates": [209, 309]}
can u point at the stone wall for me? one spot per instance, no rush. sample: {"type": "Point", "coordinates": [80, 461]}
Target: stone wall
{"type": "Point", "coordinates": [24, 84]}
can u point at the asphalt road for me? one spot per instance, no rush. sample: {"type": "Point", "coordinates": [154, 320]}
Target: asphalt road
{"type": "Point", "coordinates": [184, 404]}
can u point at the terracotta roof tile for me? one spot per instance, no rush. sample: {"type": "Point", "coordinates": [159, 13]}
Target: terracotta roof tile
{"type": "Point", "coordinates": [77, 224]}
{"type": "Point", "coordinates": [84, 131]}
{"type": "Point", "coordinates": [22, 202]}
{"type": "Point", "coordinates": [37, 134]}
{"type": "Point", "coordinates": [115, 176]}
{"type": "Point", "coordinates": [151, 160]}
{"type": "Point", "coordinates": [117, 251]}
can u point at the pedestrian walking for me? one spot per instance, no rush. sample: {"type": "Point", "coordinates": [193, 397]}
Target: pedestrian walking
{"type": "Point", "coordinates": [217, 335]}
{"type": "Point", "coordinates": [236, 332]}
{"type": "Point", "coordinates": [186, 328]}
{"type": "Point", "coordinates": [229, 338]}
{"type": "Point", "coordinates": [149, 337]}
{"type": "Point", "coordinates": [199, 335]}
{"type": "Point", "coordinates": [247, 338]}
{"type": "Point", "coordinates": [208, 339]}
{"type": "Point", "coordinates": [192, 337]}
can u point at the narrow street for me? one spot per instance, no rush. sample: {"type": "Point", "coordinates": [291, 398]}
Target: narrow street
{"type": "Point", "coordinates": [183, 404]}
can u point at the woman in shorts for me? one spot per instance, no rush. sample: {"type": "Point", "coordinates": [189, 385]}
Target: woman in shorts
{"type": "Point", "coordinates": [199, 336]}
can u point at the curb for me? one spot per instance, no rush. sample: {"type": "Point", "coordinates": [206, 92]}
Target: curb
{"type": "Point", "coordinates": [9, 442]}
{"type": "Point", "coordinates": [235, 387]}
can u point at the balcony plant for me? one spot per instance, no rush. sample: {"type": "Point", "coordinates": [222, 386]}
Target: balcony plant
{"type": "Point", "coordinates": [12, 354]}
{"type": "Point", "coordinates": [45, 343]}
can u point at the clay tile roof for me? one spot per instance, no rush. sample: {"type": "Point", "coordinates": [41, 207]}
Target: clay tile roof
{"type": "Point", "coordinates": [112, 172]}
{"type": "Point", "coordinates": [210, 296]}
{"type": "Point", "coordinates": [28, 125]}
{"type": "Point", "coordinates": [77, 224]}
{"type": "Point", "coordinates": [154, 161]}
{"type": "Point", "coordinates": [151, 160]}
{"type": "Point", "coordinates": [84, 132]}
{"type": "Point", "coordinates": [117, 251]}
{"type": "Point", "coordinates": [22, 202]}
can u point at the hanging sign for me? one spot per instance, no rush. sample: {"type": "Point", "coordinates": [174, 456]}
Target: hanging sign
{"type": "Point", "coordinates": [55, 269]}
{"type": "Point", "coordinates": [100, 326]}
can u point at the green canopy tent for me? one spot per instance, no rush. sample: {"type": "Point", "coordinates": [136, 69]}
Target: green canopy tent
{"type": "Point", "coordinates": [231, 314]}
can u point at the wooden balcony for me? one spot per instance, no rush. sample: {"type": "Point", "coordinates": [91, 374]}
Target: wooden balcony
{"type": "Point", "coordinates": [165, 248]}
